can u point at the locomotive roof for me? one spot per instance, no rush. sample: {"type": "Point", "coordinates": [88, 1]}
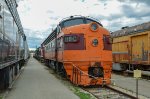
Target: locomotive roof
{"type": "Point", "coordinates": [132, 30]}
{"type": "Point", "coordinates": [50, 37]}
{"type": "Point", "coordinates": [79, 16]}
{"type": "Point", "coordinates": [53, 34]}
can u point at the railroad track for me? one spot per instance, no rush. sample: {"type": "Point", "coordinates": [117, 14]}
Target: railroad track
{"type": "Point", "coordinates": [108, 92]}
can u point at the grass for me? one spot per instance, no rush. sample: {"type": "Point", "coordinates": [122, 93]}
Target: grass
{"type": "Point", "coordinates": [81, 94]}
{"type": "Point", "coordinates": [1, 97]}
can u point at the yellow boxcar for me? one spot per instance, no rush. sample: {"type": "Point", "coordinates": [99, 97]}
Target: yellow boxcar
{"type": "Point", "coordinates": [131, 48]}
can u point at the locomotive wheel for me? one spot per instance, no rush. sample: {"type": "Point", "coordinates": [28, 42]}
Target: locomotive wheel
{"type": "Point", "coordinates": [57, 67]}
{"type": "Point", "coordinates": [60, 70]}
{"type": "Point", "coordinates": [64, 74]}
{"type": "Point", "coordinates": [63, 71]}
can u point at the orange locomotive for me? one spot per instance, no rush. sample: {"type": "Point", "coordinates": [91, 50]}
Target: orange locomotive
{"type": "Point", "coordinates": [79, 48]}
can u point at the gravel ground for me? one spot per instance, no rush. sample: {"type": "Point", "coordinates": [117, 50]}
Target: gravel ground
{"type": "Point", "coordinates": [130, 84]}
{"type": "Point", "coordinates": [37, 83]}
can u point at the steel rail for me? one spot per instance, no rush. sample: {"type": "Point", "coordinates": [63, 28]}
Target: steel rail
{"type": "Point", "coordinates": [98, 94]}
{"type": "Point", "coordinates": [121, 92]}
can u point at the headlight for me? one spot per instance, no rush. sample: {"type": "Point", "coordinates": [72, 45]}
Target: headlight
{"type": "Point", "coordinates": [94, 26]}
{"type": "Point", "coordinates": [95, 42]}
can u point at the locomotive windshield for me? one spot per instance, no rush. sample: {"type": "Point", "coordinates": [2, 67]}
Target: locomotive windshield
{"type": "Point", "coordinates": [73, 22]}
{"type": "Point", "coordinates": [77, 21]}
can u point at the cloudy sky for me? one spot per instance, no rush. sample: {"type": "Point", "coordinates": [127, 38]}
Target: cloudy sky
{"type": "Point", "coordinates": [38, 17]}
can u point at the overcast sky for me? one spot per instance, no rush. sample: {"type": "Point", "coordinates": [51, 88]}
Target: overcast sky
{"type": "Point", "coordinates": [38, 17]}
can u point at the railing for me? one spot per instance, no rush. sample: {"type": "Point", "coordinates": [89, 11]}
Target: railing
{"type": "Point", "coordinates": [77, 74]}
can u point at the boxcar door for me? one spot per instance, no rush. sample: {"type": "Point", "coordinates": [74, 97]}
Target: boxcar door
{"type": "Point", "coordinates": [139, 48]}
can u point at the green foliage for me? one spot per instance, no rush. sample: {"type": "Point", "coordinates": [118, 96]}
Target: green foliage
{"type": "Point", "coordinates": [82, 95]}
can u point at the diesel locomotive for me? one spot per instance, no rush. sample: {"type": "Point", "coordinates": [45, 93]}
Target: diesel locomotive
{"type": "Point", "coordinates": [80, 49]}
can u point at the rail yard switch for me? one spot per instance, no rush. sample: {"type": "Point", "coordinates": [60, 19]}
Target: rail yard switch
{"type": "Point", "coordinates": [137, 73]}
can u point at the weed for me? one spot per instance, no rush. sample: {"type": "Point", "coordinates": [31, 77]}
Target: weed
{"type": "Point", "coordinates": [82, 94]}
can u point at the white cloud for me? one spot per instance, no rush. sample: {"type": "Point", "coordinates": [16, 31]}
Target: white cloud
{"type": "Point", "coordinates": [40, 16]}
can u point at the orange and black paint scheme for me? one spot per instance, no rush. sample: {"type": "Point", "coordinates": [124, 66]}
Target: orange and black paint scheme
{"type": "Point", "coordinates": [79, 48]}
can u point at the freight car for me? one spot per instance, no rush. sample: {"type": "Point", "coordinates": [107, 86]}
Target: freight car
{"type": "Point", "coordinates": [79, 48]}
{"type": "Point", "coordinates": [131, 48]}
{"type": "Point", "coordinates": [13, 45]}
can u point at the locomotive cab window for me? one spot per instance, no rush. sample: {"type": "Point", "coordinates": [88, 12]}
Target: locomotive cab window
{"type": "Point", "coordinates": [73, 22]}
{"type": "Point", "coordinates": [77, 21]}
{"type": "Point", "coordinates": [90, 21]}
